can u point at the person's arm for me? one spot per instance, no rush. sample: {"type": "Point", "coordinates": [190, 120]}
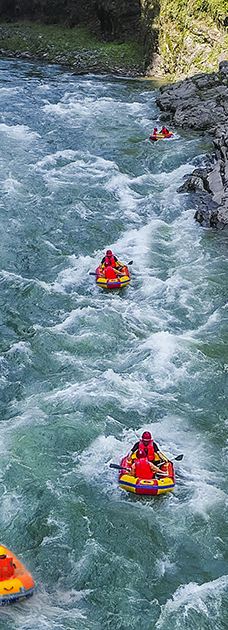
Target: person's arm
{"type": "Point", "coordinates": [157, 470]}
{"type": "Point", "coordinates": [161, 455]}
{"type": "Point", "coordinates": [134, 448]}
{"type": "Point", "coordinates": [133, 469]}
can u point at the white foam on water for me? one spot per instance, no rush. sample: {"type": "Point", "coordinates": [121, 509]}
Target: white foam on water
{"type": "Point", "coordinates": [79, 165]}
{"type": "Point", "coordinates": [202, 598]}
{"type": "Point", "coordinates": [163, 348]}
{"type": "Point", "coordinates": [19, 132]}
{"type": "Point", "coordinates": [8, 91]}
{"type": "Point", "coordinates": [76, 109]}
{"type": "Point", "coordinates": [32, 415]}
{"type": "Point", "coordinates": [48, 611]}
{"type": "Point", "coordinates": [52, 159]}
{"type": "Point", "coordinates": [18, 280]}
{"type": "Point", "coordinates": [92, 462]}
{"type": "Point", "coordinates": [20, 347]}
{"type": "Point", "coordinates": [60, 528]}
{"type": "Point", "coordinates": [12, 186]}
{"type": "Point", "coordinates": [11, 506]}
{"type": "Point", "coordinates": [127, 391]}
{"type": "Point", "coordinates": [119, 184]}
{"type": "Point", "coordinates": [73, 275]}
{"type": "Point", "coordinates": [206, 496]}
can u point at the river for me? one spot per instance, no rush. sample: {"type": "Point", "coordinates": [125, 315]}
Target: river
{"type": "Point", "coordinates": [83, 372]}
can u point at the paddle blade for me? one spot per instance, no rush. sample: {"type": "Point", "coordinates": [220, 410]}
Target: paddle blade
{"type": "Point", "coordinates": [179, 457]}
{"type": "Point", "coordinates": [130, 262]}
{"type": "Point", "coordinates": [116, 466]}
{"type": "Point", "coordinates": [92, 273]}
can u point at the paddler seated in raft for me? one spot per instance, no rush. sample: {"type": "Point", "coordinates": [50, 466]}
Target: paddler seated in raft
{"type": "Point", "coordinates": [110, 273]}
{"type": "Point", "coordinates": [6, 567]}
{"type": "Point", "coordinates": [154, 134]}
{"type": "Point", "coordinates": [148, 445]}
{"type": "Point", "coordinates": [110, 259]}
{"type": "Point", "coordinates": [142, 468]}
{"type": "Point", "coordinates": [164, 131]}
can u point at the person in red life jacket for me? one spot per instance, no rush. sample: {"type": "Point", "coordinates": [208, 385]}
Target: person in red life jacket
{"type": "Point", "coordinates": [142, 468]}
{"type": "Point", "coordinates": [111, 273]}
{"type": "Point", "coordinates": [110, 259]}
{"type": "Point", "coordinates": [6, 567]}
{"type": "Point", "coordinates": [148, 445]}
{"type": "Point", "coordinates": [164, 131]}
{"type": "Point", "coordinates": [154, 134]}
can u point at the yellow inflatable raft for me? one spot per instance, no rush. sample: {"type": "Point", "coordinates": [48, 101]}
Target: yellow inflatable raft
{"type": "Point", "coordinates": [20, 584]}
{"type": "Point", "coordinates": [117, 283]}
{"type": "Point", "coordinates": [150, 487]}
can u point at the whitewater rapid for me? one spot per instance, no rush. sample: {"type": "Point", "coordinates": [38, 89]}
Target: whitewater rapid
{"type": "Point", "coordinates": [83, 373]}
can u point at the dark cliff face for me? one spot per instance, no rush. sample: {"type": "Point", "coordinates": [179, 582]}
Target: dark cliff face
{"type": "Point", "coordinates": [112, 18]}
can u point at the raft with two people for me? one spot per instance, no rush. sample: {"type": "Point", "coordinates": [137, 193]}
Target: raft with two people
{"type": "Point", "coordinates": [160, 135]}
{"type": "Point", "coordinates": [15, 581]}
{"type": "Point", "coordinates": [146, 470]}
{"type": "Point", "coordinates": [112, 273]}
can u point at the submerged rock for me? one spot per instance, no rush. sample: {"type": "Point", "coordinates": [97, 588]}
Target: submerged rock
{"type": "Point", "coordinates": [201, 104]}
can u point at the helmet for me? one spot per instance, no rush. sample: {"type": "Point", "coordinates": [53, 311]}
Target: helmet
{"type": "Point", "coordinates": [155, 128]}
{"type": "Point", "coordinates": [146, 436]}
{"type": "Point", "coordinates": [141, 453]}
{"type": "Point", "coordinates": [109, 252]}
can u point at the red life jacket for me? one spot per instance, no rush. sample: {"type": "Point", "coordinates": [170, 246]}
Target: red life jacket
{"type": "Point", "coordinates": [143, 469]}
{"type": "Point", "coordinates": [110, 261]}
{"type": "Point", "coordinates": [110, 273]}
{"type": "Point", "coordinates": [149, 450]}
{"type": "Point", "coordinates": [6, 568]}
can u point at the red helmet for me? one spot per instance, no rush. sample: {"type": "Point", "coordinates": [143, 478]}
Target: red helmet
{"type": "Point", "coordinates": [141, 453]}
{"type": "Point", "coordinates": [109, 253]}
{"type": "Point", "coordinates": [146, 436]}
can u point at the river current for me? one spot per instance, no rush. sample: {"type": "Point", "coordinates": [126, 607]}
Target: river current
{"type": "Point", "coordinates": [83, 372]}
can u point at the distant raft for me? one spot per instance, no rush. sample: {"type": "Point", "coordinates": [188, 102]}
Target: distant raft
{"type": "Point", "coordinates": [19, 585]}
{"type": "Point", "coordinates": [150, 487]}
{"type": "Point", "coordinates": [117, 283]}
{"type": "Point", "coordinates": [160, 136]}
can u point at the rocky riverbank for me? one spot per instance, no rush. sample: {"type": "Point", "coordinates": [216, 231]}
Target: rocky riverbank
{"type": "Point", "coordinates": [76, 48]}
{"type": "Point", "coordinates": [201, 103]}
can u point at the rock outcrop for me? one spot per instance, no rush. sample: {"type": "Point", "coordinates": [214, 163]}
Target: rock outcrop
{"type": "Point", "coordinates": [201, 104]}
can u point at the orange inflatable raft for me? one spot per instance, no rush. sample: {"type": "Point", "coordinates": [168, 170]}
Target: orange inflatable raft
{"type": "Point", "coordinates": [117, 283]}
{"type": "Point", "coordinates": [15, 581]}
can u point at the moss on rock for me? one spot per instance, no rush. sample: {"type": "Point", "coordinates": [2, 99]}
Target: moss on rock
{"type": "Point", "coordinates": [192, 37]}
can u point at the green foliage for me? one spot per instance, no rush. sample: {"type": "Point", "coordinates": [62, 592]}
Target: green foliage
{"type": "Point", "coordinates": [217, 9]}
{"type": "Point", "coordinates": [181, 10]}
{"type": "Point", "coordinates": [191, 35]}
{"type": "Point", "coordinates": [56, 42]}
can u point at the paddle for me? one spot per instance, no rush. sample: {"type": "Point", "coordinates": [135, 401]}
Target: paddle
{"type": "Point", "coordinates": [118, 467]}
{"type": "Point", "coordinates": [177, 459]}
{"type": "Point", "coordinates": [93, 273]}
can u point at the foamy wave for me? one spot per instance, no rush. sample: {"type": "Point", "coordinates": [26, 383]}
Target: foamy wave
{"type": "Point", "coordinates": [76, 108]}
{"type": "Point", "coordinates": [204, 599]}
{"type": "Point", "coordinates": [19, 132]}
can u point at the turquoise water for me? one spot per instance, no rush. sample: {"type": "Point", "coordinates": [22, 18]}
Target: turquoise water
{"type": "Point", "coordinates": [84, 372]}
